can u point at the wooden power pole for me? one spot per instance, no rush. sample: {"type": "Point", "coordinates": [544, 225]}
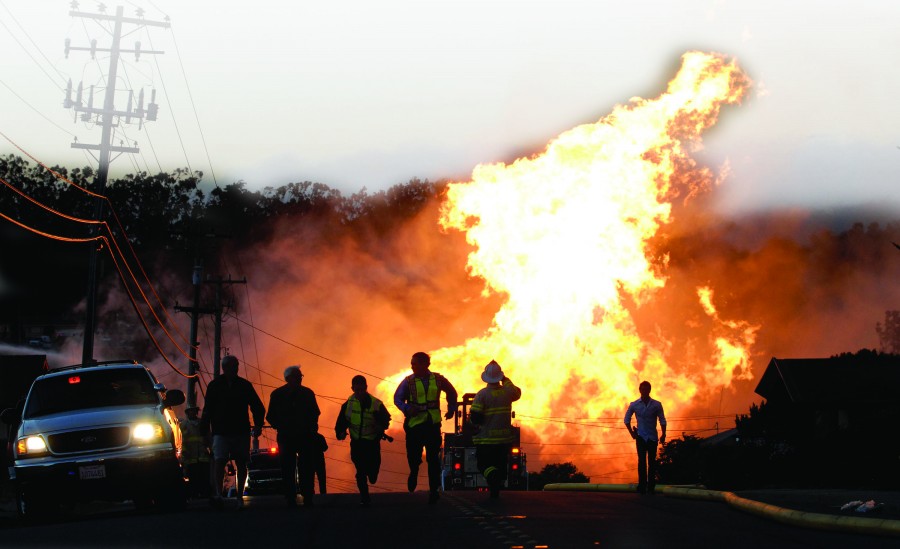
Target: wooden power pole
{"type": "Point", "coordinates": [108, 118]}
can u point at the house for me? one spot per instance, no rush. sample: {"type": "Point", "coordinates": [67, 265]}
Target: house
{"type": "Point", "coordinates": [832, 419]}
{"type": "Point", "coordinates": [840, 394]}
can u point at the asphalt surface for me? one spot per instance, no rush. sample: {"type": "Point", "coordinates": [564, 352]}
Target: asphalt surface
{"type": "Point", "coordinates": [862, 510]}
{"type": "Point", "coordinates": [822, 509]}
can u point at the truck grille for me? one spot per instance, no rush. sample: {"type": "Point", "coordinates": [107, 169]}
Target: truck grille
{"type": "Point", "coordinates": [107, 438]}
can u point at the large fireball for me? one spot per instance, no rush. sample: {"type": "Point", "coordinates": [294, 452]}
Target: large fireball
{"type": "Point", "coordinates": [564, 235]}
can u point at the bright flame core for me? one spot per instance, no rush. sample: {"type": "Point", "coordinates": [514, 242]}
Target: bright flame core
{"type": "Point", "coordinates": [563, 235]}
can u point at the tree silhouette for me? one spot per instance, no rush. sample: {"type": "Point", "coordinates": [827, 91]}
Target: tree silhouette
{"type": "Point", "coordinates": [555, 472]}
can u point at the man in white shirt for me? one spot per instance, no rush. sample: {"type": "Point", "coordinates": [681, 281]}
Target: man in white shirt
{"type": "Point", "coordinates": [648, 411]}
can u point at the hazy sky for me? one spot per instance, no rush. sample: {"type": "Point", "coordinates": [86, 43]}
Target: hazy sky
{"type": "Point", "coordinates": [357, 94]}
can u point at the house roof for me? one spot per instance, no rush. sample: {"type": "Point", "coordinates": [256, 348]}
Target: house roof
{"type": "Point", "coordinates": [727, 437]}
{"type": "Point", "coordinates": [843, 379]}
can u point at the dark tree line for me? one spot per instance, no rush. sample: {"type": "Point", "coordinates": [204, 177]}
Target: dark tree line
{"type": "Point", "coordinates": [168, 219]}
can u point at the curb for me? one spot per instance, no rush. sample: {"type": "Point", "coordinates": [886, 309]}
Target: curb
{"type": "Point", "coordinates": [788, 516]}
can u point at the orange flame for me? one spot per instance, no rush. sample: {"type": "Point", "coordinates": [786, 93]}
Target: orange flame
{"type": "Point", "coordinates": [563, 236]}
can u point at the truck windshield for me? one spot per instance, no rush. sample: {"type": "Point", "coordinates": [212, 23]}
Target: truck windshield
{"type": "Point", "coordinates": [90, 389]}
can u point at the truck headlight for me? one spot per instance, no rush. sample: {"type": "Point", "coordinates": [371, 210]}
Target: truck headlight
{"type": "Point", "coordinates": [148, 432]}
{"type": "Point", "coordinates": [32, 446]}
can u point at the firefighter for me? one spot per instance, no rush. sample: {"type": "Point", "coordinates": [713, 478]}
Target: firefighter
{"type": "Point", "coordinates": [491, 411]}
{"type": "Point", "coordinates": [418, 397]}
{"type": "Point", "coordinates": [195, 453]}
{"type": "Point", "coordinates": [367, 419]}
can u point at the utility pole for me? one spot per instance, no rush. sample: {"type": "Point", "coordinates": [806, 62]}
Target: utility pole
{"type": "Point", "coordinates": [220, 282]}
{"type": "Point", "coordinates": [195, 311]}
{"type": "Point", "coordinates": [109, 118]}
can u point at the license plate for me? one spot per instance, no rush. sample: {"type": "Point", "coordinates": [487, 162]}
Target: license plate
{"type": "Point", "coordinates": [89, 472]}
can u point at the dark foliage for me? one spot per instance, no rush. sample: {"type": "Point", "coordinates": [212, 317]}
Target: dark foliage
{"type": "Point", "coordinates": [162, 219]}
{"type": "Point", "coordinates": [555, 472]}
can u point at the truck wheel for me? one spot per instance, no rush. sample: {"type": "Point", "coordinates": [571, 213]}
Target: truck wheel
{"type": "Point", "coordinates": [174, 498]}
{"type": "Point", "coordinates": [31, 505]}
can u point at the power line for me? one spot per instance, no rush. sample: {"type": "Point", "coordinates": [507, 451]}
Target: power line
{"type": "Point", "coordinates": [109, 244]}
{"type": "Point", "coordinates": [36, 62]}
{"type": "Point", "coordinates": [174, 119]}
{"type": "Point", "coordinates": [193, 106]}
{"type": "Point", "coordinates": [313, 353]}
{"type": "Point", "coordinates": [35, 109]}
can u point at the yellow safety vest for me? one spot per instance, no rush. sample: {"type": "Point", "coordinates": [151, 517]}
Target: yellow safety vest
{"type": "Point", "coordinates": [496, 406]}
{"type": "Point", "coordinates": [362, 420]}
{"type": "Point", "coordinates": [193, 444]}
{"type": "Point", "coordinates": [418, 394]}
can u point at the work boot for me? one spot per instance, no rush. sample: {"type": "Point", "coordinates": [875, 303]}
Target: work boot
{"type": "Point", "coordinates": [433, 496]}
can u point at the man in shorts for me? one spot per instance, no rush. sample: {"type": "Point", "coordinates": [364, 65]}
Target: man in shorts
{"type": "Point", "coordinates": [228, 397]}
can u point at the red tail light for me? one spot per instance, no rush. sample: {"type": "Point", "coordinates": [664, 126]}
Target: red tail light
{"type": "Point", "coordinates": [457, 466]}
{"type": "Point", "coordinates": [74, 379]}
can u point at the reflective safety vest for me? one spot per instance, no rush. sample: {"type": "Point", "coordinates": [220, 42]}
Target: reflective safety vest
{"type": "Point", "coordinates": [362, 420]}
{"type": "Point", "coordinates": [422, 396]}
{"type": "Point", "coordinates": [193, 444]}
{"type": "Point", "coordinates": [496, 406]}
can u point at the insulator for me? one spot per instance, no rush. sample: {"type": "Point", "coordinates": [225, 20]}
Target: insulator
{"type": "Point", "coordinates": [67, 102]}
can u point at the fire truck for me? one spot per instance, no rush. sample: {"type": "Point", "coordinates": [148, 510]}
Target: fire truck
{"type": "Point", "coordinates": [460, 468]}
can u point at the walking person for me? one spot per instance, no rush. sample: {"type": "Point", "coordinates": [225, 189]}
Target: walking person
{"type": "Point", "coordinates": [491, 412]}
{"type": "Point", "coordinates": [367, 419]}
{"type": "Point", "coordinates": [195, 453]}
{"type": "Point", "coordinates": [647, 411]}
{"type": "Point", "coordinates": [418, 397]}
{"type": "Point", "coordinates": [294, 413]}
{"type": "Point", "coordinates": [228, 397]}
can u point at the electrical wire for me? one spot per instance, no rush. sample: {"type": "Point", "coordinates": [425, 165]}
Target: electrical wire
{"type": "Point", "coordinates": [169, 103]}
{"type": "Point", "coordinates": [193, 106]}
{"type": "Point", "coordinates": [110, 242]}
{"type": "Point", "coordinates": [36, 62]}
{"type": "Point", "coordinates": [294, 345]}
{"type": "Point", "coordinates": [35, 109]}
{"type": "Point", "coordinates": [127, 241]}
{"type": "Point", "coordinates": [118, 268]}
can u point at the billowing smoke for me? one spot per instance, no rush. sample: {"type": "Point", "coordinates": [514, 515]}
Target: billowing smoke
{"type": "Point", "coordinates": [643, 281]}
{"type": "Point", "coordinates": [653, 284]}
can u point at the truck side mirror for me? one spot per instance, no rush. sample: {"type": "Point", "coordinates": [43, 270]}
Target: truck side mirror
{"type": "Point", "coordinates": [174, 397]}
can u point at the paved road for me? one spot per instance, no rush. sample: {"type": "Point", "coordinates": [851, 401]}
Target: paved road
{"type": "Point", "coordinates": [556, 520]}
